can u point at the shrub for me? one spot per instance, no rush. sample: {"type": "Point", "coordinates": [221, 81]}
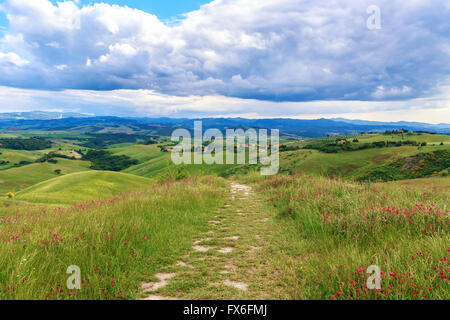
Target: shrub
{"type": "Point", "coordinates": [175, 173]}
{"type": "Point", "coordinates": [25, 144]}
{"type": "Point", "coordinates": [10, 195]}
{"type": "Point", "coordinates": [105, 160]}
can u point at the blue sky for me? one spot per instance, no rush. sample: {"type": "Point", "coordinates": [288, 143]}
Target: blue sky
{"type": "Point", "coordinates": [254, 58]}
{"type": "Point", "coordinates": [3, 22]}
{"type": "Point", "coordinates": [164, 9]}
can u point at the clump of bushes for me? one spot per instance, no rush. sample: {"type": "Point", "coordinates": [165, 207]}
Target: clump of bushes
{"type": "Point", "coordinates": [105, 160]}
{"type": "Point", "coordinates": [25, 144]}
{"type": "Point", "coordinates": [175, 173]}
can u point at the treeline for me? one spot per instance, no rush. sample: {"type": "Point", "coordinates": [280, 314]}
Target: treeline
{"type": "Point", "coordinates": [100, 141]}
{"type": "Point", "coordinates": [342, 145]}
{"type": "Point", "coordinates": [105, 160]}
{"type": "Point", "coordinates": [285, 148]}
{"type": "Point", "coordinates": [50, 157]}
{"type": "Point", "coordinates": [25, 144]}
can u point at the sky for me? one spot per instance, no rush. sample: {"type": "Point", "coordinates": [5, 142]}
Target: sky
{"type": "Point", "coordinates": [357, 59]}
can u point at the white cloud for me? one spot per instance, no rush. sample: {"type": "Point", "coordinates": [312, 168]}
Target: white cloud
{"type": "Point", "coordinates": [435, 109]}
{"type": "Point", "coordinates": [285, 57]}
{"type": "Point", "coordinates": [12, 58]}
{"type": "Point", "coordinates": [383, 93]}
{"type": "Point", "coordinates": [291, 50]}
{"type": "Point", "coordinates": [61, 67]}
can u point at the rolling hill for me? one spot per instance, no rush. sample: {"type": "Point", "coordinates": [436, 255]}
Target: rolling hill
{"type": "Point", "coordinates": [83, 186]}
{"type": "Point", "coordinates": [16, 179]}
{"type": "Point", "coordinates": [354, 164]}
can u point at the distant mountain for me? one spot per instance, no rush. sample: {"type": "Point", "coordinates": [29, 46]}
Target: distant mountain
{"type": "Point", "coordinates": [289, 128]}
{"type": "Point", "coordinates": [398, 123]}
{"type": "Point", "coordinates": [41, 115]}
{"type": "Point", "coordinates": [303, 128]}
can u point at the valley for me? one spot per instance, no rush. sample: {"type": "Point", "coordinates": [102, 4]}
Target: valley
{"type": "Point", "coordinates": [140, 227]}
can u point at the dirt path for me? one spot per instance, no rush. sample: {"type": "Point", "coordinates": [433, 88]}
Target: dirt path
{"type": "Point", "coordinates": [230, 261]}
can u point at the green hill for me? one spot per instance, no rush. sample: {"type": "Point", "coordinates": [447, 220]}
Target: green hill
{"type": "Point", "coordinates": [16, 179]}
{"type": "Point", "coordinates": [9, 157]}
{"type": "Point", "coordinates": [83, 186]}
{"type": "Point", "coordinates": [419, 166]}
{"type": "Point", "coordinates": [153, 162]}
{"type": "Point", "coordinates": [356, 163]}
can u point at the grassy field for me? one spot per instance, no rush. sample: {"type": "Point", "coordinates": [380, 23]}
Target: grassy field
{"type": "Point", "coordinates": [116, 243]}
{"type": "Point", "coordinates": [83, 186]}
{"type": "Point", "coordinates": [330, 231]}
{"type": "Point", "coordinates": [154, 163]}
{"type": "Point", "coordinates": [420, 137]}
{"type": "Point", "coordinates": [16, 156]}
{"type": "Point", "coordinates": [140, 152]}
{"type": "Point", "coordinates": [346, 164]}
{"type": "Point", "coordinates": [308, 233]}
{"type": "Point", "coordinates": [16, 179]}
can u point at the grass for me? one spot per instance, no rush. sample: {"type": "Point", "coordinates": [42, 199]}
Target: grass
{"type": "Point", "coordinates": [83, 186]}
{"type": "Point", "coordinates": [140, 152]}
{"type": "Point", "coordinates": [16, 179]}
{"type": "Point", "coordinates": [345, 164]}
{"type": "Point", "coordinates": [154, 163]}
{"type": "Point", "coordinates": [321, 233]}
{"type": "Point", "coordinates": [422, 165]}
{"type": "Point", "coordinates": [420, 137]}
{"type": "Point", "coordinates": [15, 156]}
{"type": "Point", "coordinates": [116, 243]}
{"type": "Point", "coordinates": [244, 225]}
{"type": "Point", "coordinates": [332, 230]}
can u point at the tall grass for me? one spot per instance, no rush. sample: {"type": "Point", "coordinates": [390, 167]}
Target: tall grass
{"type": "Point", "coordinates": [333, 230]}
{"type": "Point", "coordinates": [117, 242]}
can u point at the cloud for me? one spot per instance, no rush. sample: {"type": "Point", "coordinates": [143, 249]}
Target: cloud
{"type": "Point", "coordinates": [382, 92]}
{"type": "Point", "coordinates": [275, 50]}
{"type": "Point", "coordinates": [125, 102]}
{"type": "Point", "coordinates": [12, 58]}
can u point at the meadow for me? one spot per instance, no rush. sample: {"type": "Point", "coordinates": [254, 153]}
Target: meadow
{"type": "Point", "coordinates": [331, 230]}
{"type": "Point", "coordinates": [17, 179]}
{"type": "Point", "coordinates": [355, 164]}
{"type": "Point", "coordinates": [117, 242]}
{"type": "Point", "coordinates": [324, 225]}
{"type": "Point", "coordinates": [83, 186]}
